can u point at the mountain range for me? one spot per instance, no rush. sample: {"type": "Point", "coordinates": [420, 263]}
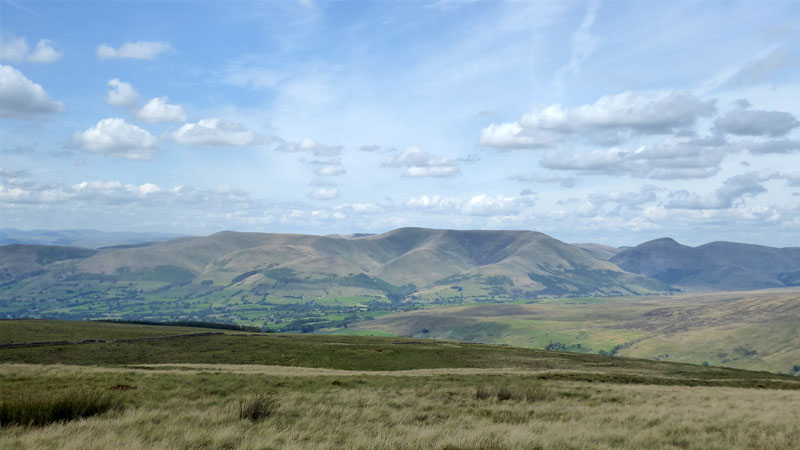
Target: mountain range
{"type": "Point", "coordinates": [237, 276]}
{"type": "Point", "coordinates": [713, 266]}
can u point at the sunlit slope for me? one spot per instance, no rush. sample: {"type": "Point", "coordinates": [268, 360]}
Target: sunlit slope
{"type": "Point", "coordinates": [429, 263]}
{"type": "Point", "coordinates": [357, 353]}
{"type": "Point", "coordinates": [754, 330]}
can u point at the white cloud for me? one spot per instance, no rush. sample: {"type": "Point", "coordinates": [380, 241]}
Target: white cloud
{"type": "Point", "coordinates": [309, 145]}
{"type": "Point", "coordinates": [419, 163]}
{"type": "Point", "coordinates": [433, 202]}
{"type": "Point", "coordinates": [121, 94]}
{"type": "Point", "coordinates": [44, 52]}
{"type": "Point", "coordinates": [115, 137]}
{"type": "Point", "coordinates": [213, 133]}
{"type": "Point", "coordinates": [659, 112]}
{"type": "Point", "coordinates": [773, 146]}
{"type": "Point", "coordinates": [672, 158]}
{"type": "Point", "coordinates": [745, 122]}
{"type": "Point", "coordinates": [567, 182]}
{"type": "Point", "coordinates": [324, 194]}
{"type": "Point", "coordinates": [328, 167]}
{"type": "Point", "coordinates": [133, 50]}
{"type": "Point", "coordinates": [158, 110]}
{"type": "Point", "coordinates": [21, 98]}
{"type": "Point", "coordinates": [116, 188]}
{"type": "Point", "coordinates": [507, 136]}
{"type": "Point", "coordinates": [16, 49]}
{"type": "Point", "coordinates": [477, 205]}
{"type": "Point", "coordinates": [731, 193]}
{"type": "Point", "coordinates": [498, 205]}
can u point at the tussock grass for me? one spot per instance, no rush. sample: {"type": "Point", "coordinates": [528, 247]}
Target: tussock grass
{"type": "Point", "coordinates": [257, 407]}
{"type": "Point", "coordinates": [170, 410]}
{"type": "Point", "coordinates": [42, 409]}
{"type": "Point", "coordinates": [533, 392]}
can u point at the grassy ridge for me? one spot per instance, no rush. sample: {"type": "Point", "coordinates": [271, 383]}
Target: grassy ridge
{"type": "Point", "coordinates": [30, 330]}
{"type": "Point", "coordinates": [757, 330]}
{"type": "Point", "coordinates": [473, 397]}
{"type": "Point", "coordinates": [381, 354]}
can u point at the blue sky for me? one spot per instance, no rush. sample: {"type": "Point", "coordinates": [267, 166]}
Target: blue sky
{"type": "Point", "coordinates": [612, 122]}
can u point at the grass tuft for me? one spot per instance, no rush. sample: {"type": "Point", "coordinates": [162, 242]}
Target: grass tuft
{"type": "Point", "coordinates": [257, 407]}
{"type": "Point", "coordinates": [40, 410]}
{"type": "Point", "coordinates": [529, 393]}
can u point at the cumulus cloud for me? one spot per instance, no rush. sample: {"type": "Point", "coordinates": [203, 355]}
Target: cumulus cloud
{"type": "Point", "coordinates": [477, 205]}
{"type": "Point", "coordinates": [213, 133]}
{"type": "Point", "coordinates": [773, 146]}
{"type": "Point", "coordinates": [21, 98]}
{"type": "Point", "coordinates": [44, 52]}
{"type": "Point", "coordinates": [433, 203]}
{"type": "Point", "coordinates": [133, 50]}
{"type": "Point", "coordinates": [377, 149]}
{"type": "Point", "coordinates": [324, 194]}
{"type": "Point", "coordinates": [509, 136]}
{"type": "Point", "coordinates": [673, 158]}
{"type": "Point", "coordinates": [158, 110]}
{"type": "Point", "coordinates": [116, 137]}
{"type": "Point", "coordinates": [309, 145]}
{"type": "Point", "coordinates": [731, 193]}
{"type": "Point", "coordinates": [746, 122]}
{"type": "Point", "coordinates": [16, 49]}
{"type": "Point", "coordinates": [327, 167]}
{"type": "Point", "coordinates": [534, 177]}
{"type": "Point", "coordinates": [647, 194]}
{"type": "Point", "coordinates": [420, 163]}
{"type": "Point", "coordinates": [116, 188]}
{"type": "Point", "coordinates": [605, 120]}
{"type": "Point", "coordinates": [121, 94]}
{"type": "Point", "coordinates": [497, 205]}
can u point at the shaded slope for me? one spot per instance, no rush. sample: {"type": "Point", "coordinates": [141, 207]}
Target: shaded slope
{"type": "Point", "coordinates": [713, 266]}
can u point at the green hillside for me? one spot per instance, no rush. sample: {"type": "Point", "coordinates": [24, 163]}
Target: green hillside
{"type": "Point", "coordinates": [754, 330]}
{"type": "Point", "coordinates": [299, 282]}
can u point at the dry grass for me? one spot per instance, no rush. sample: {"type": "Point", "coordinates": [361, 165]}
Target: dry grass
{"type": "Point", "coordinates": [445, 411]}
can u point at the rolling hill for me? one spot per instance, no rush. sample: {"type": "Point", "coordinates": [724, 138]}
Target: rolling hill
{"type": "Point", "coordinates": [713, 266]}
{"type": "Point", "coordinates": [757, 330]}
{"type": "Point", "coordinates": [234, 276]}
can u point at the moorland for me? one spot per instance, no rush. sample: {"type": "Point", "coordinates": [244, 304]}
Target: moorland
{"type": "Point", "coordinates": [212, 389]}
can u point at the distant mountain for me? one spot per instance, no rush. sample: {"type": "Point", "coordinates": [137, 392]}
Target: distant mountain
{"type": "Point", "coordinates": [78, 238]}
{"type": "Point", "coordinates": [599, 251]}
{"type": "Point", "coordinates": [714, 266]}
{"type": "Point", "coordinates": [226, 268]}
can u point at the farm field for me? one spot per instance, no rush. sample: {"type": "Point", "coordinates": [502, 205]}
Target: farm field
{"type": "Point", "coordinates": [315, 391]}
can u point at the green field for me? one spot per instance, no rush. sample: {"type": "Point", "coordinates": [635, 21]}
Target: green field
{"type": "Point", "coordinates": [757, 330]}
{"type": "Point", "coordinates": [317, 391]}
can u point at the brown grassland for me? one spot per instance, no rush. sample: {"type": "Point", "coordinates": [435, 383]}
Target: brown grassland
{"type": "Point", "coordinates": [557, 401]}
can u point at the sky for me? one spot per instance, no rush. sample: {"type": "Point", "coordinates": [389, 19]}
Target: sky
{"type": "Point", "coordinates": [614, 122]}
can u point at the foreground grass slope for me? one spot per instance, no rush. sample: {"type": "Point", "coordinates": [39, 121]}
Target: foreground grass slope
{"type": "Point", "coordinates": [753, 330]}
{"type": "Point", "coordinates": [386, 393]}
